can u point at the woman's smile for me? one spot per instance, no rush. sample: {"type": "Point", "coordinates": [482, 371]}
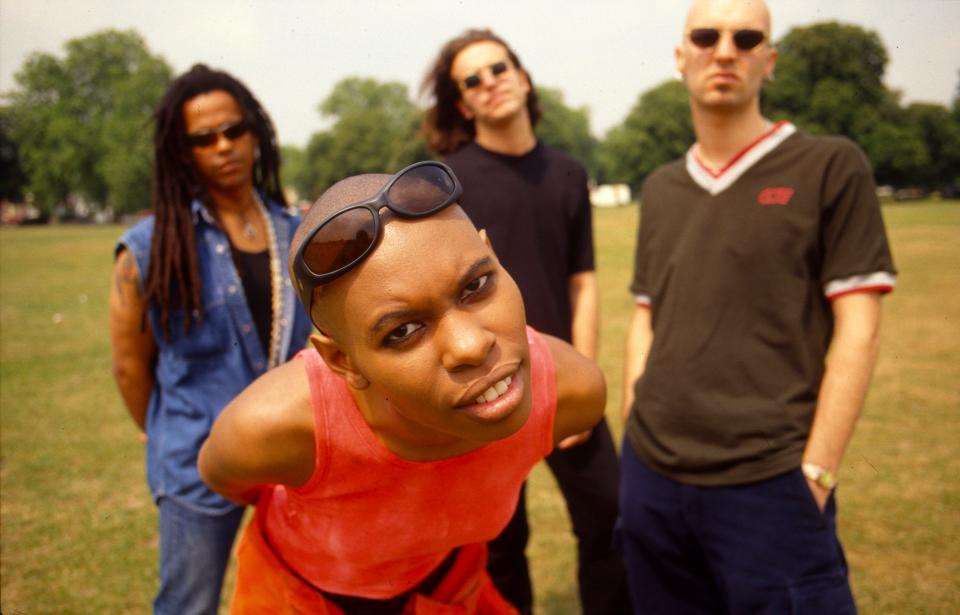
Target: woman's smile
{"type": "Point", "coordinates": [498, 401]}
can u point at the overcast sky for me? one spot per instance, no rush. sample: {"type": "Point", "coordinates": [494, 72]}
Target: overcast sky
{"type": "Point", "coordinates": [601, 54]}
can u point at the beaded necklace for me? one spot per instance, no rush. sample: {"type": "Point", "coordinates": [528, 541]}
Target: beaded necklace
{"type": "Point", "coordinates": [273, 357]}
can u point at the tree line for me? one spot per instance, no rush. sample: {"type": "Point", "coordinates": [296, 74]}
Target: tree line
{"type": "Point", "coordinates": [80, 126]}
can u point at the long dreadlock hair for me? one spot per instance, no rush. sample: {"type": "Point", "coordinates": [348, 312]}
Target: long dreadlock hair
{"type": "Point", "coordinates": [444, 127]}
{"type": "Point", "coordinates": [173, 276]}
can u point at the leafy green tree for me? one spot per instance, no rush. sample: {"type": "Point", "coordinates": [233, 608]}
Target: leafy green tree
{"type": "Point", "coordinates": [896, 151]}
{"type": "Point", "coordinates": [826, 74]}
{"type": "Point", "coordinates": [895, 148]}
{"type": "Point", "coordinates": [940, 132]}
{"type": "Point", "coordinates": [566, 128]}
{"type": "Point", "coordinates": [955, 146]}
{"type": "Point", "coordinates": [956, 101]}
{"type": "Point", "coordinates": [657, 130]}
{"type": "Point", "coordinates": [83, 122]}
{"type": "Point", "coordinates": [292, 166]}
{"type": "Point", "coordinates": [12, 178]}
{"type": "Point", "coordinates": [375, 130]}
{"type": "Point", "coordinates": [829, 80]}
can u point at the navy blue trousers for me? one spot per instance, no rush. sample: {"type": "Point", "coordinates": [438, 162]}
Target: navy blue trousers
{"type": "Point", "coordinates": [763, 547]}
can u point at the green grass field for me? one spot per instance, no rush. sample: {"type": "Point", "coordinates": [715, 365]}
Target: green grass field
{"type": "Point", "coordinates": [77, 527]}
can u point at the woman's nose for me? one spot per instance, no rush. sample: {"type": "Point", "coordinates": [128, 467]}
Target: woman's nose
{"type": "Point", "coordinates": [466, 342]}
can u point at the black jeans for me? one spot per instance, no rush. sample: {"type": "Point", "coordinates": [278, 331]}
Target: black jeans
{"type": "Point", "coordinates": [589, 477]}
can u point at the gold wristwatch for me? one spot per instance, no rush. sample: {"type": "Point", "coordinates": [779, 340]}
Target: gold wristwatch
{"type": "Point", "coordinates": [820, 475]}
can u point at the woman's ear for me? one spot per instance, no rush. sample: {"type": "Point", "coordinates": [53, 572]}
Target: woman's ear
{"type": "Point", "coordinates": [338, 361]}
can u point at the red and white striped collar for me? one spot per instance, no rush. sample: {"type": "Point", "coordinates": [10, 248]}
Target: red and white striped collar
{"type": "Point", "coordinates": [715, 183]}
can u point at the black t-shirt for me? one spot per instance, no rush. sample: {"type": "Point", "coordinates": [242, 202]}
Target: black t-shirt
{"type": "Point", "coordinates": [739, 269]}
{"type": "Point", "coordinates": [254, 271]}
{"type": "Point", "coordinates": [536, 211]}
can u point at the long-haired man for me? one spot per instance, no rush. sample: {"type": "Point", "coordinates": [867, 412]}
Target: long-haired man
{"type": "Point", "coordinates": [200, 305]}
{"type": "Point", "coordinates": [533, 202]}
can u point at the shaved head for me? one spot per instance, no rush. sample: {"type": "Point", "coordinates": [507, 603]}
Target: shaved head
{"type": "Point", "coordinates": [343, 195]}
{"type": "Point", "coordinates": [709, 9]}
{"type": "Point", "coordinates": [339, 196]}
{"type": "Point", "coordinates": [720, 76]}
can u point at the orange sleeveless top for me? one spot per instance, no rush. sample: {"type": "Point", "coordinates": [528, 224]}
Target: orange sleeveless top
{"type": "Point", "coordinates": [370, 523]}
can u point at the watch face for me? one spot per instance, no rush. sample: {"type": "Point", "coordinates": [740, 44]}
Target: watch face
{"type": "Point", "coordinates": [822, 476]}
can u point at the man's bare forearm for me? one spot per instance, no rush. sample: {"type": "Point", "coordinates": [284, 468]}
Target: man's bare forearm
{"type": "Point", "coordinates": [584, 303]}
{"type": "Point", "coordinates": [639, 340]}
{"type": "Point", "coordinates": [850, 362]}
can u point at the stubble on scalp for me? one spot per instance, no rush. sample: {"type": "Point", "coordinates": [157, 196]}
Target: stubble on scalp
{"type": "Point", "coordinates": [337, 197]}
{"type": "Point", "coordinates": [697, 7]}
{"type": "Point", "coordinates": [328, 299]}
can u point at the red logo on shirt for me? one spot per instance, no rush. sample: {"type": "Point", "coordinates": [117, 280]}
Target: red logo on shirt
{"type": "Point", "coordinates": [775, 196]}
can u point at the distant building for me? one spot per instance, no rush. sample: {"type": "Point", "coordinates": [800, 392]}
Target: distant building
{"type": "Point", "coordinates": [610, 195]}
{"type": "Point", "coordinates": [19, 213]}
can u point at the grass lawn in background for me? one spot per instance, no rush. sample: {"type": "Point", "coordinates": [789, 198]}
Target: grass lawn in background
{"type": "Point", "coordinates": [78, 529]}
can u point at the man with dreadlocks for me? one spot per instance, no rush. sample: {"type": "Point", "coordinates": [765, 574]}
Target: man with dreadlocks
{"type": "Point", "coordinates": [200, 305]}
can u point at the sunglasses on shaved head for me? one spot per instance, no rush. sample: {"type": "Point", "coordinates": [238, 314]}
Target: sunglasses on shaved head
{"type": "Point", "coordinates": [745, 39]}
{"type": "Point", "coordinates": [342, 240]}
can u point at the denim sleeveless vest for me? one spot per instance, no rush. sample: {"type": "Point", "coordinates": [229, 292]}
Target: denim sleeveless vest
{"type": "Point", "coordinates": [199, 372]}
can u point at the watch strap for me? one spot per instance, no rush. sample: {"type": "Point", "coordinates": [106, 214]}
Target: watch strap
{"type": "Point", "coordinates": [819, 474]}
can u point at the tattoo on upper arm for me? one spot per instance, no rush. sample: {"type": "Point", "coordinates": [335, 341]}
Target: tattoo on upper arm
{"type": "Point", "coordinates": [126, 276]}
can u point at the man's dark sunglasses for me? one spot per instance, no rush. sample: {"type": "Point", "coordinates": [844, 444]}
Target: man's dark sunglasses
{"type": "Point", "coordinates": [745, 40]}
{"type": "Point", "coordinates": [496, 69]}
{"type": "Point", "coordinates": [343, 239]}
{"type": "Point", "coordinates": [208, 137]}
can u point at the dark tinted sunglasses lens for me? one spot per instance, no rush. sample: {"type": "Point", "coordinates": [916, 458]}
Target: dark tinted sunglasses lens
{"type": "Point", "coordinates": [747, 39]}
{"type": "Point", "coordinates": [205, 139]}
{"type": "Point", "coordinates": [341, 241]}
{"type": "Point", "coordinates": [236, 131]}
{"type": "Point", "coordinates": [421, 189]}
{"type": "Point", "coordinates": [499, 68]}
{"type": "Point", "coordinates": [704, 37]}
{"type": "Point", "coordinates": [471, 82]}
